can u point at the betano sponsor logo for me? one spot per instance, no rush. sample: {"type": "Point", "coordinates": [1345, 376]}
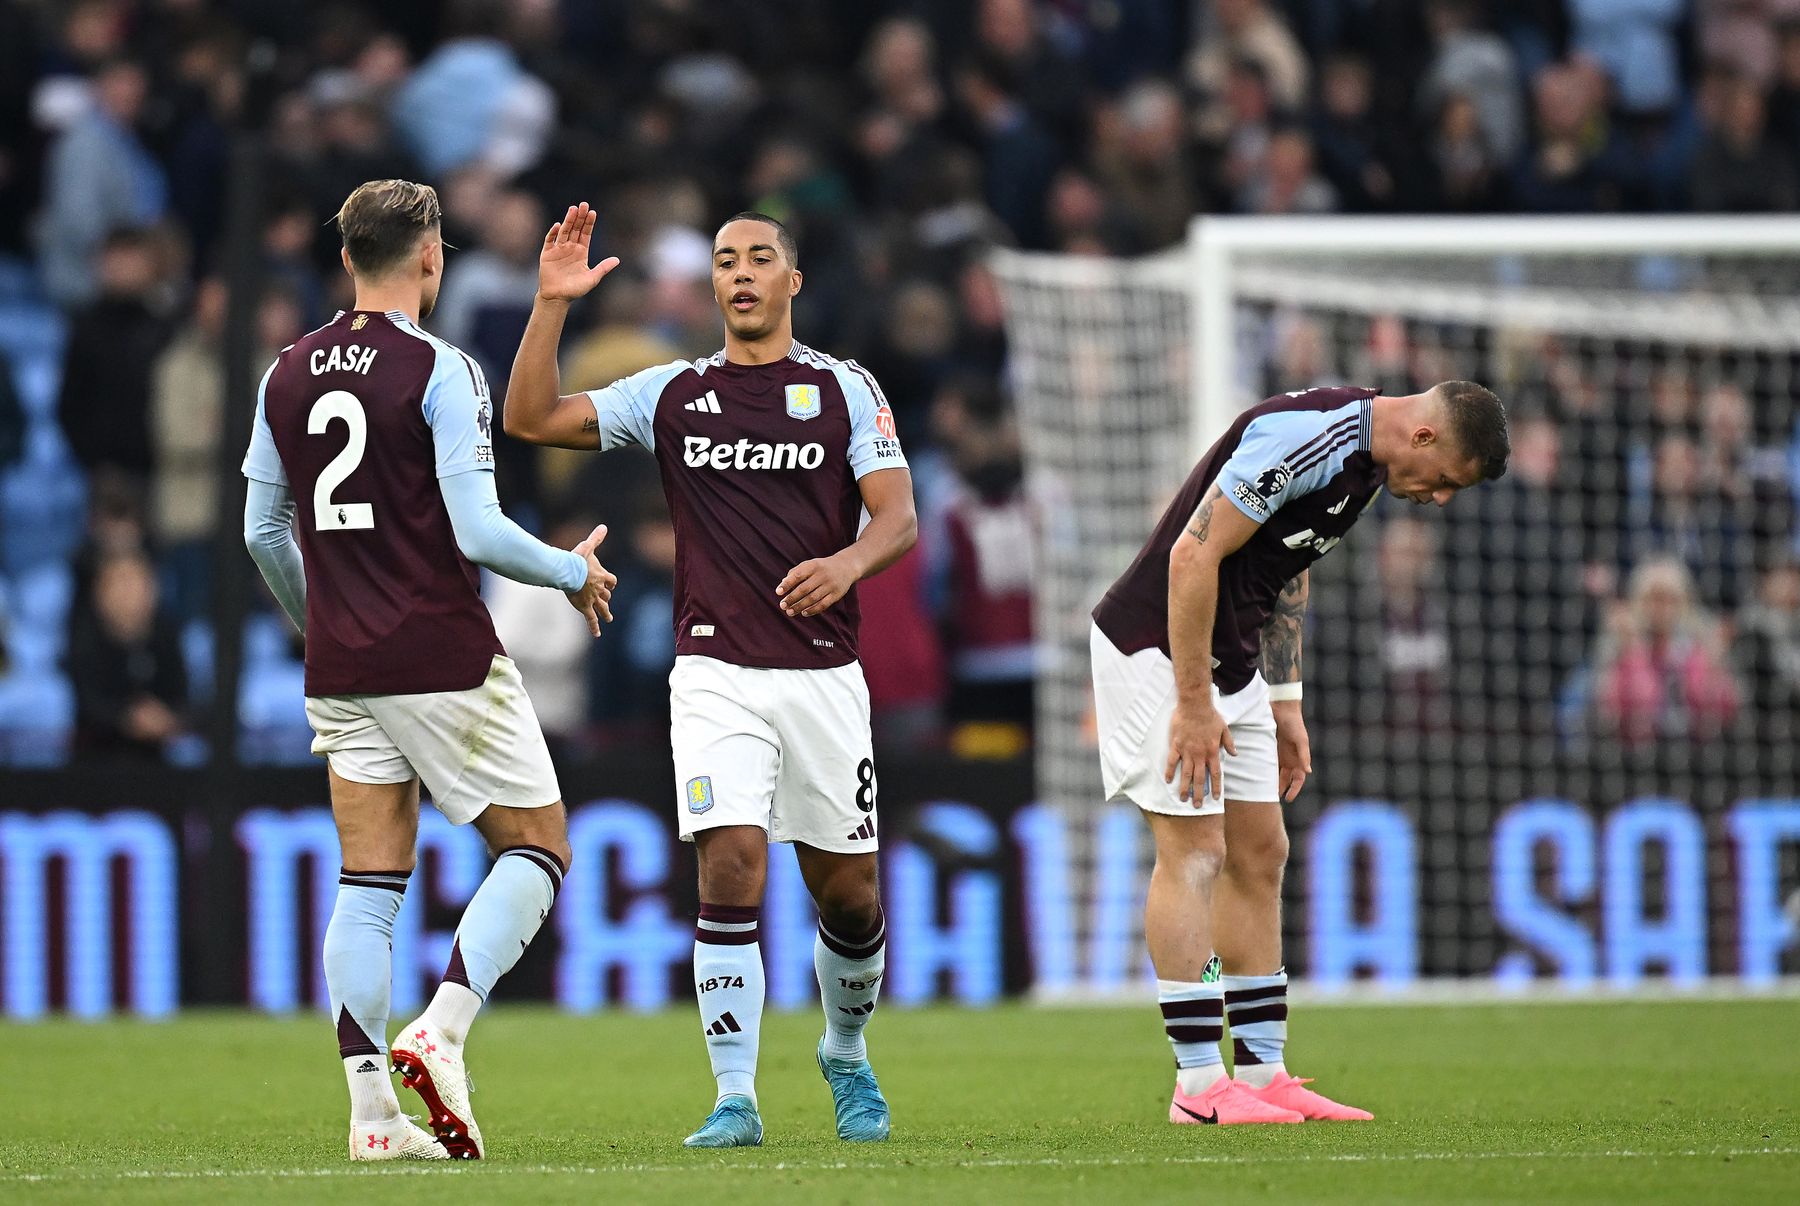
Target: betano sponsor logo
{"type": "Point", "coordinates": [700, 452]}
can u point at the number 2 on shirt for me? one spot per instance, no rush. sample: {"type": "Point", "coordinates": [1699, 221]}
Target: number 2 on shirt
{"type": "Point", "coordinates": [329, 516]}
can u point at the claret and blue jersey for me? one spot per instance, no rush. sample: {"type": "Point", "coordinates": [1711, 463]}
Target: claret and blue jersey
{"type": "Point", "coordinates": [760, 465]}
{"type": "Point", "coordinates": [1298, 465]}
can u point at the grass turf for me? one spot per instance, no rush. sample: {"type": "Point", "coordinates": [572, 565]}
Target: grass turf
{"type": "Point", "coordinates": [1642, 1103]}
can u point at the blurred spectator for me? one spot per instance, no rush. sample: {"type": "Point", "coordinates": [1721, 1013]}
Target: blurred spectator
{"type": "Point", "coordinates": [902, 657]}
{"type": "Point", "coordinates": [1517, 643]}
{"type": "Point", "coordinates": [1784, 99]}
{"type": "Point", "coordinates": [628, 683]}
{"type": "Point", "coordinates": [99, 177]}
{"type": "Point", "coordinates": [1048, 82]}
{"type": "Point", "coordinates": [107, 364]}
{"type": "Point", "coordinates": [1749, 480]}
{"type": "Point", "coordinates": [488, 289]}
{"type": "Point", "coordinates": [1767, 656]}
{"type": "Point", "coordinates": [1739, 168]}
{"type": "Point", "coordinates": [1355, 151]}
{"type": "Point", "coordinates": [1414, 678]}
{"type": "Point", "coordinates": [1285, 183]}
{"type": "Point", "coordinates": [912, 352]}
{"type": "Point", "coordinates": [990, 526]}
{"type": "Point", "coordinates": [125, 663]}
{"type": "Point", "coordinates": [187, 417]}
{"type": "Point", "coordinates": [1139, 153]}
{"type": "Point", "coordinates": [288, 259]}
{"type": "Point", "coordinates": [1466, 171]}
{"type": "Point", "coordinates": [1477, 65]}
{"type": "Point", "coordinates": [1234, 31]}
{"type": "Point", "coordinates": [1021, 156]}
{"type": "Point", "coordinates": [1695, 522]}
{"type": "Point", "coordinates": [548, 639]}
{"type": "Point", "coordinates": [1659, 673]}
{"type": "Point", "coordinates": [472, 102]}
{"type": "Point", "coordinates": [1573, 167]}
{"type": "Point", "coordinates": [1239, 149]}
{"type": "Point", "coordinates": [1635, 41]}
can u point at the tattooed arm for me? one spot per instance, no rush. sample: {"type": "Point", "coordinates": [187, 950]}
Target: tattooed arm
{"type": "Point", "coordinates": [1281, 664]}
{"type": "Point", "coordinates": [1214, 531]}
{"type": "Point", "coordinates": [1281, 635]}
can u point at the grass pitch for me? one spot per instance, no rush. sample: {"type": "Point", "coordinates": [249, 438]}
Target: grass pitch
{"type": "Point", "coordinates": [1642, 1103]}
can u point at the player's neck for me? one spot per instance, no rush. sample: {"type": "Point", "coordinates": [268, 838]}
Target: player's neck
{"type": "Point", "coordinates": [1390, 423]}
{"type": "Point", "coordinates": [767, 350]}
{"type": "Point", "coordinates": [382, 296]}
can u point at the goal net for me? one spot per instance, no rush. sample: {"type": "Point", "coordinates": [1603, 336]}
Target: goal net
{"type": "Point", "coordinates": [1553, 725]}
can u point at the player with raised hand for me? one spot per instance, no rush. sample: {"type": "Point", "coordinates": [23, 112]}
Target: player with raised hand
{"type": "Point", "coordinates": [1196, 664]}
{"type": "Point", "coordinates": [770, 452]}
{"type": "Point", "coordinates": [384, 433]}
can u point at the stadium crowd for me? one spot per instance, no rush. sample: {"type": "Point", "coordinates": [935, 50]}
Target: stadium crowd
{"type": "Point", "coordinates": [901, 141]}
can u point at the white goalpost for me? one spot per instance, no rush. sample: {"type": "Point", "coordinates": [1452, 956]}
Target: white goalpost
{"type": "Point", "coordinates": [1493, 798]}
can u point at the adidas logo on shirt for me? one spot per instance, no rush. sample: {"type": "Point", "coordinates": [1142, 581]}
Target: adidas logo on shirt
{"type": "Point", "coordinates": [707, 404]}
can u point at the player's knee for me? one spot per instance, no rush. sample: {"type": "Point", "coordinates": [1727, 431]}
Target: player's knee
{"type": "Point", "coordinates": [1197, 863]}
{"type": "Point", "coordinates": [852, 906]}
{"type": "Point", "coordinates": [1258, 859]}
{"type": "Point", "coordinates": [731, 868]}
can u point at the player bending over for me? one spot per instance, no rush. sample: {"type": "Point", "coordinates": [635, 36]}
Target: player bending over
{"type": "Point", "coordinates": [383, 434]}
{"type": "Point", "coordinates": [769, 453]}
{"type": "Point", "coordinates": [1196, 659]}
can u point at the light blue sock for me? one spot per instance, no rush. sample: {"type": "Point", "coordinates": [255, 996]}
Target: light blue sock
{"type": "Point", "coordinates": [498, 925]}
{"type": "Point", "coordinates": [1256, 1008]}
{"type": "Point", "coordinates": [359, 945]}
{"type": "Point", "coordinates": [849, 985]}
{"type": "Point", "coordinates": [1192, 1015]}
{"type": "Point", "coordinates": [728, 980]}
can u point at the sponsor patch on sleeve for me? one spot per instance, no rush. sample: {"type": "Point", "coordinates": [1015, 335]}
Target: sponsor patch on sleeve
{"type": "Point", "coordinates": [1271, 482]}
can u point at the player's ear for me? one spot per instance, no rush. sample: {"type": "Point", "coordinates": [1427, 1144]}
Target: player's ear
{"type": "Point", "coordinates": [344, 255]}
{"type": "Point", "coordinates": [1424, 436]}
{"type": "Point", "coordinates": [794, 282]}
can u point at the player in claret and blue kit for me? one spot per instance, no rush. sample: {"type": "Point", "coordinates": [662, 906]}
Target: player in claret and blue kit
{"type": "Point", "coordinates": [770, 452]}
{"type": "Point", "coordinates": [1196, 662]}
{"type": "Point", "coordinates": [382, 432]}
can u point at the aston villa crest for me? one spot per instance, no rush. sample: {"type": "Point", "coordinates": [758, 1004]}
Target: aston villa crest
{"type": "Point", "coordinates": [803, 402]}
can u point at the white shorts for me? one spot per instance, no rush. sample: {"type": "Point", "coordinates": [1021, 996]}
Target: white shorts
{"type": "Point", "coordinates": [1134, 697]}
{"type": "Point", "coordinates": [470, 748]}
{"type": "Point", "coordinates": [785, 750]}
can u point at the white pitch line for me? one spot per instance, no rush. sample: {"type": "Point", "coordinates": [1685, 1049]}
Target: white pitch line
{"type": "Point", "coordinates": [438, 1169]}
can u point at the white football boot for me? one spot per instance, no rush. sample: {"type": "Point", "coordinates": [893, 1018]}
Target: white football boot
{"type": "Point", "coordinates": [432, 1067]}
{"type": "Point", "coordinates": [395, 1139]}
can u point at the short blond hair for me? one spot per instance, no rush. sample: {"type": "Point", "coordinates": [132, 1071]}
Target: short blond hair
{"type": "Point", "coordinates": [381, 222]}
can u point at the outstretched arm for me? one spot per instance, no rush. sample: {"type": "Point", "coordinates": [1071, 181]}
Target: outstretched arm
{"type": "Point", "coordinates": [893, 527]}
{"type": "Point", "coordinates": [1281, 669]}
{"type": "Point", "coordinates": [488, 538]}
{"type": "Point", "coordinates": [536, 409]}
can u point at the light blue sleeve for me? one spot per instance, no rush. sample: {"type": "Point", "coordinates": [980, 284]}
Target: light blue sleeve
{"type": "Point", "coordinates": [262, 462]}
{"type": "Point", "coordinates": [1284, 455]}
{"type": "Point", "coordinates": [460, 413]}
{"type": "Point", "coordinates": [489, 539]}
{"type": "Point", "coordinates": [627, 408]}
{"type": "Point", "coordinates": [269, 535]}
{"type": "Point", "coordinates": [873, 441]}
